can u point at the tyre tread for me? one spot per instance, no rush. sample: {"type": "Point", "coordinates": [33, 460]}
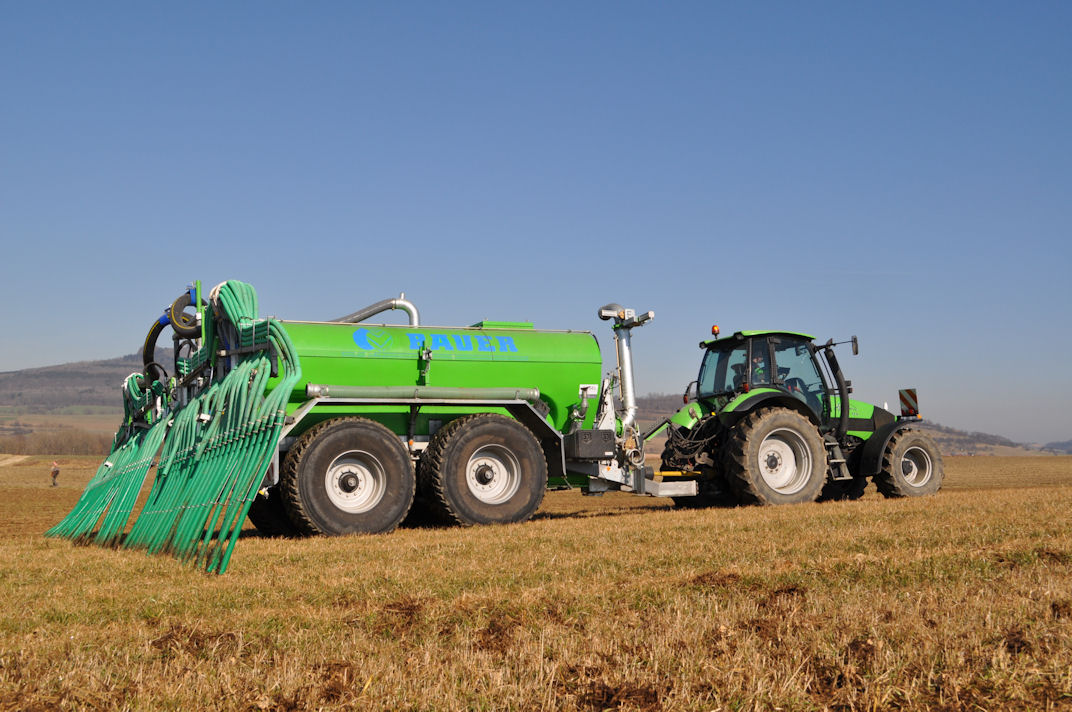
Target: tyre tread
{"type": "Point", "coordinates": [288, 476]}
{"type": "Point", "coordinates": [430, 474]}
{"type": "Point", "coordinates": [736, 464]}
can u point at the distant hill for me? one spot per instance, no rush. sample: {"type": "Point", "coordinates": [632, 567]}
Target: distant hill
{"type": "Point", "coordinates": [93, 387]}
{"type": "Point", "coordinates": [1065, 447]}
{"type": "Point", "coordinates": [86, 386]}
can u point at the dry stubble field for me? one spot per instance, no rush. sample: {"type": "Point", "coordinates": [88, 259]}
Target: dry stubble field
{"type": "Point", "coordinates": [962, 601]}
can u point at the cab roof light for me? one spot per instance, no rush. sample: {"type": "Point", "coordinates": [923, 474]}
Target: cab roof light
{"type": "Point", "coordinates": [714, 330]}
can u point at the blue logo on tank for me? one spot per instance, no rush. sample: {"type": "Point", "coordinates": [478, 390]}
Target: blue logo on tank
{"type": "Point", "coordinates": [370, 340]}
{"type": "Point", "coordinates": [380, 339]}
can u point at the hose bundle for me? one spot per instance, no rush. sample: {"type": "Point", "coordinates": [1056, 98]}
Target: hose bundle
{"type": "Point", "coordinates": [217, 448]}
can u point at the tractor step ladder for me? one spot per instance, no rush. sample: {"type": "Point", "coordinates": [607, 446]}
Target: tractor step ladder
{"type": "Point", "coordinates": [836, 460]}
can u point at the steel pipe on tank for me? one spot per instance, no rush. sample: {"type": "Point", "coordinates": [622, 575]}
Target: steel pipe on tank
{"type": "Point", "coordinates": [371, 310]}
{"type": "Point", "coordinates": [314, 390]}
{"type": "Point", "coordinates": [625, 378]}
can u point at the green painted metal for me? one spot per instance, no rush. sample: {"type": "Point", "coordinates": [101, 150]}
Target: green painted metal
{"type": "Point", "coordinates": [738, 335]}
{"type": "Point", "coordinates": [857, 409]}
{"type": "Point", "coordinates": [690, 414]}
{"type": "Point", "coordinates": [361, 355]}
{"type": "Point", "coordinates": [740, 402]}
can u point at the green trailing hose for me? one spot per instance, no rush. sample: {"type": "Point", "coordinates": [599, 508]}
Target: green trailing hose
{"type": "Point", "coordinates": [218, 440]}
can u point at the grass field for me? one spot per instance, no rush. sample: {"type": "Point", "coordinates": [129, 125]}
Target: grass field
{"type": "Point", "coordinates": [961, 601]}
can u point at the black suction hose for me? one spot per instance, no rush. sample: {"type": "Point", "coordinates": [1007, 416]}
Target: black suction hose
{"type": "Point", "coordinates": [184, 324]}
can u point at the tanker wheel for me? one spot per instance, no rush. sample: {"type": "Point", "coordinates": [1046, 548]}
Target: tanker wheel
{"type": "Point", "coordinates": [775, 456]}
{"type": "Point", "coordinates": [911, 466]}
{"type": "Point", "coordinates": [347, 476]}
{"type": "Point", "coordinates": [269, 514]}
{"type": "Point", "coordinates": [485, 469]}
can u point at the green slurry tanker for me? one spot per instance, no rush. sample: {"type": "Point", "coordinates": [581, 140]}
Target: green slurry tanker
{"type": "Point", "coordinates": [349, 426]}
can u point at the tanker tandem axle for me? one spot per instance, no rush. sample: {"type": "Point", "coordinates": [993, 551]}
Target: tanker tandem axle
{"type": "Point", "coordinates": [348, 426]}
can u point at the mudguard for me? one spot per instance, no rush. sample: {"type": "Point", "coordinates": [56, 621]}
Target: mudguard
{"type": "Point", "coordinates": [745, 403]}
{"type": "Point", "coordinates": [869, 460]}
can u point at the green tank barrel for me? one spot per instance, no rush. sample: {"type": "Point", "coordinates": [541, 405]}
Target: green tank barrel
{"type": "Point", "coordinates": [484, 361]}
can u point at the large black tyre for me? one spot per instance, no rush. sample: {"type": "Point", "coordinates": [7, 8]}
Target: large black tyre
{"type": "Point", "coordinates": [484, 469]}
{"type": "Point", "coordinates": [911, 466]}
{"type": "Point", "coordinates": [775, 456]}
{"type": "Point", "coordinates": [269, 514]}
{"type": "Point", "coordinates": [347, 476]}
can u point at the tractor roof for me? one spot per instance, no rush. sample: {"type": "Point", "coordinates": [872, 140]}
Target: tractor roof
{"type": "Point", "coordinates": [739, 336]}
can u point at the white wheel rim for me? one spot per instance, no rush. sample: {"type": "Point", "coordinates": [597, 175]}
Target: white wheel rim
{"type": "Point", "coordinates": [917, 467]}
{"type": "Point", "coordinates": [355, 481]}
{"type": "Point", "coordinates": [785, 461]}
{"type": "Point", "coordinates": [493, 474]}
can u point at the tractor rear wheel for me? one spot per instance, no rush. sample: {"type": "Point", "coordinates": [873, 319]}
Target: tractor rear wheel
{"type": "Point", "coordinates": [911, 466]}
{"type": "Point", "coordinates": [775, 456]}
{"type": "Point", "coordinates": [484, 469]}
{"type": "Point", "coordinates": [347, 476]}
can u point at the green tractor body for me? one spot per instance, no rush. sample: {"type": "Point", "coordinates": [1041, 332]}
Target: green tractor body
{"type": "Point", "coordinates": [766, 424]}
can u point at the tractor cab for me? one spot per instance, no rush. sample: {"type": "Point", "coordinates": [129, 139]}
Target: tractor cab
{"type": "Point", "coordinates": [770, 360]}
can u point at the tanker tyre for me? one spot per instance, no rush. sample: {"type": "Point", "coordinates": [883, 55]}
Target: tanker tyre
{"type": "Point", "coordinates": [485, 469]}
{"type": "Point", "coordinates": [911, 466]}
{"type": "Point", "coordinates": [775, 456]}
{"type": "Point", "coordinates": [269, 514]}
{"type": "Point", "coordinates": [347, 476]}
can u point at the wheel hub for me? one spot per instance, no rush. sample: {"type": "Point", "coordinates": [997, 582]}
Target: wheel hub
{"type": "Point", "coordinates": [917, 467]}
{"type": "Point", "coordinates": [484, 475]}
{"type": "Point", "coordinates": [493, 474]}
{"type": "Point", "coordinates": [355, 481]}
{"type": "Point", "coordinates": [349, 482]}
{"type": "Point", "coordinates": [784, 461]}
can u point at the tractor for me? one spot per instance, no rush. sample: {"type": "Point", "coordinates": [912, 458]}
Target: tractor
{"type": "Point", "coordinates": [766, 422]}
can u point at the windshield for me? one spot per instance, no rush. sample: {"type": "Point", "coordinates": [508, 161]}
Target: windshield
{"type": "Point", "coordinates": [797, 372]}
{"type": "Point", "coordinates": [723, 370]}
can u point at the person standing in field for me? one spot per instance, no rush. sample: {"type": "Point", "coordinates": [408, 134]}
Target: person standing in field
{"type": "Point", "coordinates": [55, 472]}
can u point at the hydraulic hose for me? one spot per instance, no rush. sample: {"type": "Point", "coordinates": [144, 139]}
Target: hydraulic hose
{"type": "Point", "coordinates": [216, 445]}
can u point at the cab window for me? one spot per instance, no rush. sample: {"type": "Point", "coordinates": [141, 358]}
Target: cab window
{"type": "Point", "coordinates": [723, 370]}
{"type": "Point", "coordinates": [797, 372]}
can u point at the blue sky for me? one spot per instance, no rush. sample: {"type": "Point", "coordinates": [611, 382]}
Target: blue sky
{"type": "Point", "coordinates": [898, 171]}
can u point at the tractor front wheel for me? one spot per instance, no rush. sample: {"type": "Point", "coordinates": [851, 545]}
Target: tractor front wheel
{"type": "Point", "coordinates": [484, 469]}
{"type": "Point", "coordinates": [347, 476]}
{"type": "Point", "coordinates": [911, 466]}
{"type": "Point", "coordinates": [775, 456]}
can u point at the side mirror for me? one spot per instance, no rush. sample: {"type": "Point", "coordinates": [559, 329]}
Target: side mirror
{"type": "Point", "coordinates": [855, 347]}
{"type": "Point", "coordinates": [690, 392]}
